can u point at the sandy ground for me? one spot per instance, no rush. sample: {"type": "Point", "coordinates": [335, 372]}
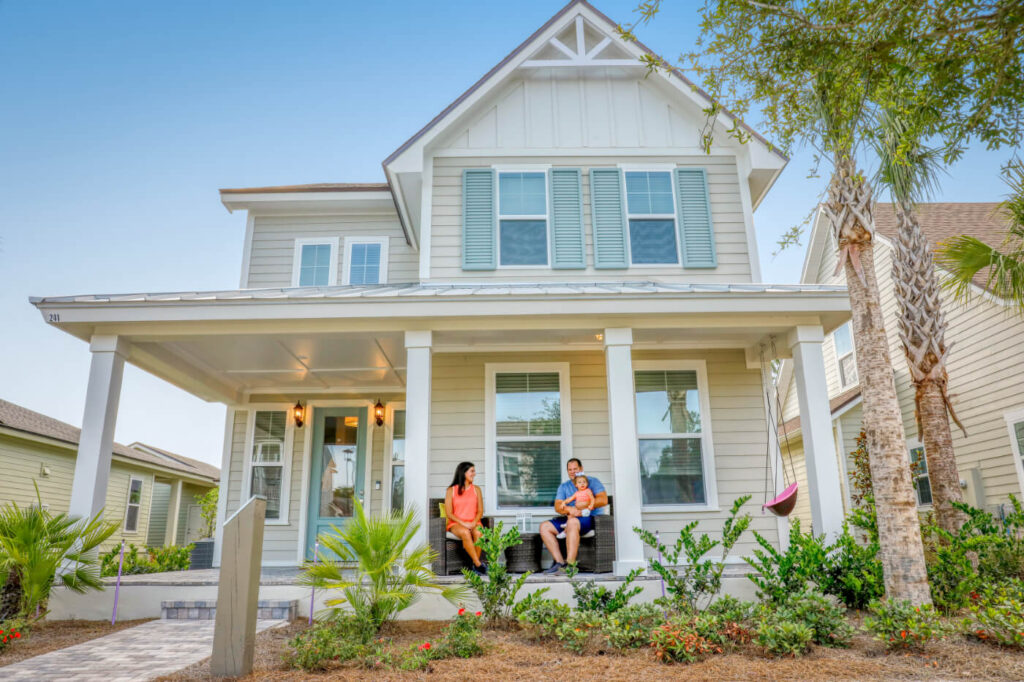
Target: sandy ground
{"type": "Point", "coordinates": [58, 634]}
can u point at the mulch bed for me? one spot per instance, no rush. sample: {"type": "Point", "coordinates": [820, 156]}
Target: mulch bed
{"type": "Point", "coordinates": [59, 634]}
{"type": "Point", "coordinates": [512, 656]}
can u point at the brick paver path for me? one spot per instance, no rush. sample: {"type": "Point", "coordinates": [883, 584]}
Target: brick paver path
{"type": "Point", "coordinates": [143, 652]}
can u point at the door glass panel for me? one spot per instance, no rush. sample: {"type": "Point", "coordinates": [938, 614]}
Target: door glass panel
{"type": "Point", "coordinates": [338, 480]}
{"type": "Point", "coordinates": [398, 487]}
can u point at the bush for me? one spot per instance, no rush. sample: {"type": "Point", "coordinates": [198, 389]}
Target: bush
{"type": "Point", "coordinates": [784, 638]}
{"type": "Point", "coordinates": [630, 627]}
{"type": "Point", "coordinates": [497, 593]}
{"type": "Point", "coordinates": [461, 637]}
{"type": "Point", "coordinates": [675, 643]}
{"type": "Point", "coordinates": [149, 560]}
{"type": "Point", "coordinates": [208, 511]}
{"type": "Point", "coordinates": [781, 574]}
{"type": "Point", "coordinates": [335, 639]}
{"type": "Point", "coordinates": [852, 571]}
{"type": "Point", "coordinates": [901, 625]}
{"type": "Point", "coordinates": [826, 620]}
{"type": "Point", "coordinates": [576, 632]}
{"type": "Point", "coordinates": [590, 596]}
{"type": "Point", "coordinates": [692, 578]}
{"type": "Point", "coordinates": [543, 616]}
{"type": "Point", "coordinates": [998, 615]}
{"type": "Point", "coordinates": [719, 630]}
{"type": "Point", "coordinates": [11, 631]}
{"type": "Point", "coordinates": [732, 609]}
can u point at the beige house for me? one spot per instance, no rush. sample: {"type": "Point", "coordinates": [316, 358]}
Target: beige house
{"type": "Point", "coordinates": [986, 369]}
{"type": "Point", "coordinates": [553, 268]}
{"type": "Point", "coordinates": [151, 493]}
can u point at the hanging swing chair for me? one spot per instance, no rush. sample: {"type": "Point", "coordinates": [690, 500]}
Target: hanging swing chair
{"type": "Point", "coordinates": [784, 502]}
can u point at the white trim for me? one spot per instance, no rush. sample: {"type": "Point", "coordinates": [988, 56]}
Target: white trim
{"type": "Point", "coordinates": [753, 255]}
{"type": "Point", "coordinates": [332, 277]}
{"type": "Point", "coordinates": [382, 273]}
{"type": "Point", "coordinates": [250, 228]}
{"type": "Point", "coordinates": [841, 453]}
{"type": "Point", "coordinates": [674, 217]}
{"type": "Point", "coordinates": [490, 437]}
{"type": "Point", "coordinates": [1015, 417]}
{"type": "Point", "coordinates": [128, 505]}
{"type": "Point", "coordinates": [307, 444]}
{"type": "Point", "coordinates": [706, 434]}
{"type": "Point", "coordinates": [426, 217]}
{"type": "Point", "coordinates": [286, 457]}
{"type": "Point", "coordinates": [225, 484]}
{"type": "Point", "coordinates": [546, 217]}
{"type": "Point", "coordinates": [389, 461]}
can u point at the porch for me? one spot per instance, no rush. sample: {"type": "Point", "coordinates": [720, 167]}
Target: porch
{"type": "Point", "coordinates": [433, 356]}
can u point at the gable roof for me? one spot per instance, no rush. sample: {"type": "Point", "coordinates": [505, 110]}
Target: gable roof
{"type": "Point", "coordinates": [315, 187]}
{"type": "Point", "coordinates": [18, 418]}
{"type": "Point", "coordinates": [792, 426]}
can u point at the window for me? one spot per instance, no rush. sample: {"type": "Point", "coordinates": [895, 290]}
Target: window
{"type": "Point", "coordinates": [267, 460]}
{"type": "Point", "coordinates": [528, 434]}
{"type": "Point", "coordinates": [674, 433]}
{"type": "Point", "coordinates": [134, 503]}
{"type": "Point", "coordinates": [845, 358]}
{"type": "Point", "coordinates": [366, 260]}
{"type": "Point", "coordinates": [522, 218]}
{"type": "Point", "coordinates": [1015, 423]}
{"type": "Point", "coordinates": [315, 263]}
{"type": "Point", "coordinates": [651, 213]}
{"type": "Point", "coordinates": [919, 472]}
{"type": "Point", "coordinates": [398, 460]}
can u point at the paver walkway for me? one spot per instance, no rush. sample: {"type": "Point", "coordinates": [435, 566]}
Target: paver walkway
{"type": "Point", "coordinates": [143, 652]}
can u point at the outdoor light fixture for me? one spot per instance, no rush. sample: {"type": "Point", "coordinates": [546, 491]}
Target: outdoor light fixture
{"type": "Point", "coordinates": [299, 413]}
{"type": "Point", "coordinates": [378, 413]}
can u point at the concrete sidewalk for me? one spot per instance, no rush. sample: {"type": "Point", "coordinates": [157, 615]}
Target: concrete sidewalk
{"type": "Point", "coordinates": [143, 652]}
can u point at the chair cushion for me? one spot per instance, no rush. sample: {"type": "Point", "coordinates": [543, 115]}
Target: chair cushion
{"type": "Point", "coordinates": [451, 536]}
{"type": "Point", "coordinates": [590, 534]}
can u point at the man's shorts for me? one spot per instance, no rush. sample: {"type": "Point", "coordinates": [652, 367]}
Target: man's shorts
{"type": "Point", "coordinates": [586, 523]}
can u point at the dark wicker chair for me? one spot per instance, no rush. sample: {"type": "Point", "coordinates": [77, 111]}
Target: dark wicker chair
{"type": "Point", "coordinates": [451, 557]}
{"type": "Point", "coordinates": [597, 552]}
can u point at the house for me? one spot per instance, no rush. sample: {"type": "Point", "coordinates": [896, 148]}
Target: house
{"type": "Point", "coordinates": [151, 493]}
{"type": "Point", "coordinates": [985, 367]}
{"type": "Point", "coordinates": [553, 268]}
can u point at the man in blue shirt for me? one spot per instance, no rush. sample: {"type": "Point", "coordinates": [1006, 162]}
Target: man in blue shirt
{"type": "Point", "coordinates": [572, 524]}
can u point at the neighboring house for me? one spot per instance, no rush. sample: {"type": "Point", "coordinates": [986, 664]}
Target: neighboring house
{"type": "Point", "coordinates": [553, 269]}
{"type": "Point", "coordinates": [986, 368]}
{"type": "Point", "coordinates": [145, 486]}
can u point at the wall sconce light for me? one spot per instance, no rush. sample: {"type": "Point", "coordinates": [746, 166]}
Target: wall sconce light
{"type": "Point", "coordinates": [378, 413]}
{"type": "Point", "coordinates": [299, 414]}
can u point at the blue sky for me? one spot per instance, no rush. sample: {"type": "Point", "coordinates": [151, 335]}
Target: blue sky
{"type": "Point", "coordinates": [120, 120]}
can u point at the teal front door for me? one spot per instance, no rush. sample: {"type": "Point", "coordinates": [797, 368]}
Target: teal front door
{"type": "Point", "coordinates": [338, 471]}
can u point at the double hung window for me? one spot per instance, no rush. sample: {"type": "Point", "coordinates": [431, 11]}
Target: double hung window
{"type": "Point", "coordinates": [652, 218]}
{"type": "Point", "coordinates": [366, 260]}
{"type": "Point", "coordinates": [267, 459]}
{"type": "Point", "coordinates": [522, 218]}
{"type": "Point", "coordinates": [845, 358]}
{"type": "Point", "coordinates": [919, 471]}
{"type": "Point", "coordinates": [315, 263]}
{"type": "Point", "coordinates": [134, 504]}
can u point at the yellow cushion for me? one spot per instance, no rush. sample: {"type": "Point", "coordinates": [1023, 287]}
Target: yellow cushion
{"type": "Point", "coordinates": [440, 506]}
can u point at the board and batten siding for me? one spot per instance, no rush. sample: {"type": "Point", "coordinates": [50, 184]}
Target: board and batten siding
{"type": "Point", "coordinates": [726, 212]}
{"type": "Point", "coordinates": [272, 253]}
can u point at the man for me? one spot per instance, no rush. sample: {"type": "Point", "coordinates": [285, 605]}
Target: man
{"type": "Point", "coordinates": [572, 524]}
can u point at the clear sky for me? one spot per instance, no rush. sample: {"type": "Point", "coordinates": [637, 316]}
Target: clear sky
{"type": "Point", "coordinates": [120, 120]}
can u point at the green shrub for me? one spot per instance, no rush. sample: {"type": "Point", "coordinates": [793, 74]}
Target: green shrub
{"type": "Point", "coordinates": [998, 615]}
{"type": "Point", "coordinates": [853, 572]}
{"type": "Point", "coordinates": [590, 596]}
{"type": "Point", "coordinates": [208, 511]}
{"type": "Point", "coordinates": [781, 574]}
{"type": "Point", "coordinates": [630, 627]}
{"type": "Point", "coordinates": [784, 638]}
{"type": "Point", "coordinates": [732, 609]}
{"type": "Point", "coordinates": [826, 620]}
{"type": "Point", "coordinates": [676, 643]}
{"type": "Point", "coordinates": [11, 632]}
{"type": "Point", "coordinates": [461, 637]}
{"type": "Point", "coordinates": [691, 577]}
{"type": "Point", "coordinates": [341, 637]}
{"type": "Point", "coordinates": [543, 616]}
{"type": "Point", "coordinates": [171, 558]}
{"type": "Point", "coordinates": [576, 632]}
{"type": "Point", "coordinates": [901, 625]}
{"type": "Point", "coordinates": [497, 593]}
{"type": "Point", "coordinates": [146, 560]}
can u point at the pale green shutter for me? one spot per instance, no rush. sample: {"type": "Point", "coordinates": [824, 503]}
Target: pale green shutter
{"type": "Point", "coordinates": [609, 218]}
{"type": "Point", "coordinates": [696, 230]}
{"type": "Point", "coordinates": [566, 209]}
{"type": "Point", "coordinates": [479, 247]}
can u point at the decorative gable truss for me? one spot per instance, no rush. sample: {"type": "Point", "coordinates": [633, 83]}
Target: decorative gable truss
{"type": "Point", "coordinates": [590, 48]}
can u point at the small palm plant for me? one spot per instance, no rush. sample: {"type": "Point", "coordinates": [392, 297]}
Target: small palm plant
{"type": "Point", "coordinates": [39, 549]}
{"type": "Point", "coordinates": [377, 571]}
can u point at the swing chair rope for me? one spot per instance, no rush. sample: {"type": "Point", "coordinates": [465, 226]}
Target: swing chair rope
{"type": "Point", "coordinates": [785, 433]}
{"type": "Point", "coordinates": [772, 422]}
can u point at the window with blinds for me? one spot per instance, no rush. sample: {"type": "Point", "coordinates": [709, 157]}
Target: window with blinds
{"type": "Point", "coordinates": [528, 438]}
{"type": "Point", "coordinates": [267, 458]}
{"type": "Point", "coordinates": [522, 219]}
{"type": "Point", "coordinates": [671, 438]}
{"type": "Point", "coordinates": [651, 218]}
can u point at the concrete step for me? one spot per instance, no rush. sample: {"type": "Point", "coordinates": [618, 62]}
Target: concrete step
{"type": "Point", "coordinates": [206, 609]}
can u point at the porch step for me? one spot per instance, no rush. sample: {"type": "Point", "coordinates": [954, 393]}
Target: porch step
{"type": "Point", "coordinates": [206, 609]}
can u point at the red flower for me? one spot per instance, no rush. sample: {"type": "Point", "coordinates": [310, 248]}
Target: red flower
{"type": "Point", "coordinates": [903, 634]}
{"type": "Point", "coordinates": [17, 634]}
{"type": "Point", "coordinates": [425, 646]}
{"type": "Point", "coordinates": [479, 613]}
{"type": "Point", "coordinates": [462, 611]}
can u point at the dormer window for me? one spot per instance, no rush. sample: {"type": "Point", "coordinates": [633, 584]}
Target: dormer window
{"type": "Point", "coordinates": [315, 263]}
{"type": "Point", "coordinates": [366, 260]}
{"type": "Point", "coordinates": [651, 212]}
{"type": "Point", "coordinates": [522, 218]}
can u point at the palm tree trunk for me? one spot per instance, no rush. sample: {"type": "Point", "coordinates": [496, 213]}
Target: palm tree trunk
{"type": "Point", "coordinates": [849, 208]}
{"type": "Point", "coordinates": [922, 331]}
{"type": "Point", "coordinates": [11, 596]}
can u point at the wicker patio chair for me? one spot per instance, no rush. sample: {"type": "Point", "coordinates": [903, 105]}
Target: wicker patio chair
{"type": "Point", "coordinates": [451, 557]}
{"type": "Point", "coordinates": [597, 548]}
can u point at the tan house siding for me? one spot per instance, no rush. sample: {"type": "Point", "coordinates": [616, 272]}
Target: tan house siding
{"type": "Point", "coordinates": [794, 462]}
{"type": "Point", "coordinates": [726, 212]}
{"type": "Point", "coordinates": [273, 244]}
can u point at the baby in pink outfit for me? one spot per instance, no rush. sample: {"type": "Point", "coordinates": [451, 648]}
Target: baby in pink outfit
{"type": "Point", "coordinates": [583, 498]}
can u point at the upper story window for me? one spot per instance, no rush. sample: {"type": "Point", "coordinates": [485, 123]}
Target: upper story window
{"type": "Point", "coordinates": [366, 260]}
{"type": "Point", "coordinates": [651, 213]}
{"type": "Point", "coordinates": [845, 358]}
{"type": "Point", "coordinates": [522, 218]}
{"type": "Point", "coordinates": [919, 472]}
{"type": "Point", "coordinates": [315, 263]}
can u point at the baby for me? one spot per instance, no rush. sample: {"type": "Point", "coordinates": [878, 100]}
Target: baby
{"type": "Point", "coordinates": [583, 498]}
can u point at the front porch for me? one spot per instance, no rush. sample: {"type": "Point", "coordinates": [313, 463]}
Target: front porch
{"type": "Point", "coordinates": [445, 363]}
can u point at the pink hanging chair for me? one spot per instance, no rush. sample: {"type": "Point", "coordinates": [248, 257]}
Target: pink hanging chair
{"type": "Point", "coordinates": [784, 503]}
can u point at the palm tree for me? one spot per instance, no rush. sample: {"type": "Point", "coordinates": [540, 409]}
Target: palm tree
{"type": "Point", "coordinates": [908, 170]}
{"type": "Point", "coordinates": [377, 571]}
{"type": "Point", "coordinates": [965, 256]}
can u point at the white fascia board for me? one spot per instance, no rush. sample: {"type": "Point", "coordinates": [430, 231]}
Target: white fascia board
{"type": "Point", "coordinates": [815, 247]}
{"type": "Point", "coordinates": [302, 200]}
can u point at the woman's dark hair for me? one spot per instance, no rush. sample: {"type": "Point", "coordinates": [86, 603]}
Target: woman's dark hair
{"type": "Point", "coordinates": [459, 480]}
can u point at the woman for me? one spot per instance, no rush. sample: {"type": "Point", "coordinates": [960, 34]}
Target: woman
{"type": "Point", "coordinates": [464, 507]}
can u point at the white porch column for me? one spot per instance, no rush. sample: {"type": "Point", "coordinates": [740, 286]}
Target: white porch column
{"type": "Point", "coordinates": [417, 426]}
{"type": "Point", "coordinates": [92, 467]}
{"type": "Point", "coordinates": [823, 485]}
{"type": "Point", "coordinates": [173, 509]}
{"type": "Point", "coordinates": [629, 550]}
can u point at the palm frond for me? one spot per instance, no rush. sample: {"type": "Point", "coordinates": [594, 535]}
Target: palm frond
{"type": "Point", "coordinates": [965, 256]}
{"type": "Point", "coordinates": [907, 167]}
